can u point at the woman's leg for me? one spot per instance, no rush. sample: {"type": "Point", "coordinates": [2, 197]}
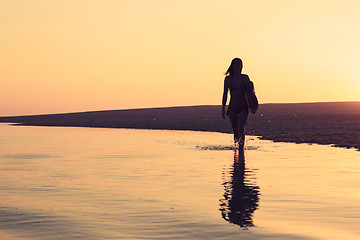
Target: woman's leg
{"type": "Point", "coordinates": [234, 118]}
{"type": "Point", "coordinates": [242, 119]}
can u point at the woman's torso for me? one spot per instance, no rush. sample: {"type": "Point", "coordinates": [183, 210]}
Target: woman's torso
{"type": "Point", "coordinates": [237, 88]}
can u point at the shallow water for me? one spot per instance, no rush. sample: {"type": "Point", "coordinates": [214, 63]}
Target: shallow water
{"type": "Point", "coordinates": [84, 183]}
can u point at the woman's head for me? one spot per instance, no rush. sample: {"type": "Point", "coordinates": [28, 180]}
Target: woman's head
{"type": "Point", "coordinates": [235, 66]}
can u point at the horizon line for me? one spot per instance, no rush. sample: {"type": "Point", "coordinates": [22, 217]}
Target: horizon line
{"type": "Point", "coordinates": [160, 107]}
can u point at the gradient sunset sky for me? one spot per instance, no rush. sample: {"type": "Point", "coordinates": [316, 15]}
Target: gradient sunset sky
{"type": "Point", "coordinates": [79, 55]}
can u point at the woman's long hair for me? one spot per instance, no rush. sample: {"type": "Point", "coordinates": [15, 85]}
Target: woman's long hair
{"type": "Point", "coordinates": [230, 70]}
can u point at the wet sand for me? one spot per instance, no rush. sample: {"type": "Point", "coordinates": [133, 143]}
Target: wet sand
{"type": "Point", "coordinates": [336, 123]}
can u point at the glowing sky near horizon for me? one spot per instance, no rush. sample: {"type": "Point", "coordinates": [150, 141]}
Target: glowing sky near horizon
{"type": "Point", "coordinates": [78, 55]}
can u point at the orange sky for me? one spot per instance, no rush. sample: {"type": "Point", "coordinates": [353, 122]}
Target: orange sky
{"type": "Point", "coordinates": [78, 55]}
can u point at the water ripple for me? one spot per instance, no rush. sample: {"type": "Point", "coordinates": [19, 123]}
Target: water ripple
{"type": "Point", "coordinates": [41, 225]}
{"type": "Point", "coordinates": [223, 147]}
{"type": "Point", "coordinates": [27, 156]}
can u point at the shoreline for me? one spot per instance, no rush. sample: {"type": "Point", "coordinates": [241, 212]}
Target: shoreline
{"type": "Point", "coordinates": [336, 124]}
{"type": "Point", "coordinates": [297, 140]}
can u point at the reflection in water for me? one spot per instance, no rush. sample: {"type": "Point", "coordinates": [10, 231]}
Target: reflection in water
{"type": "Point", "coordinates": [241, 195]}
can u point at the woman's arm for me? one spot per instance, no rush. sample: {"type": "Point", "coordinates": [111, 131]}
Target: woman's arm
{"type": "Point", "coordinates": [224, 99]}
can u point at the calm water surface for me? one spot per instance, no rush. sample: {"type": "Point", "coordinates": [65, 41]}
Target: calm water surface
{"type": "Point", "coordinates": [83, 183]}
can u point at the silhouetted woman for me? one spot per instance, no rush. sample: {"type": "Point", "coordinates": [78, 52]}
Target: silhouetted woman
{"type": "Point", "coordinates": [238, 109]}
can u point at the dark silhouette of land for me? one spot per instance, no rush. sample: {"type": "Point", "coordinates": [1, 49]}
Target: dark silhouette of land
{"type": "Point", "coordinates": [335, 123]}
